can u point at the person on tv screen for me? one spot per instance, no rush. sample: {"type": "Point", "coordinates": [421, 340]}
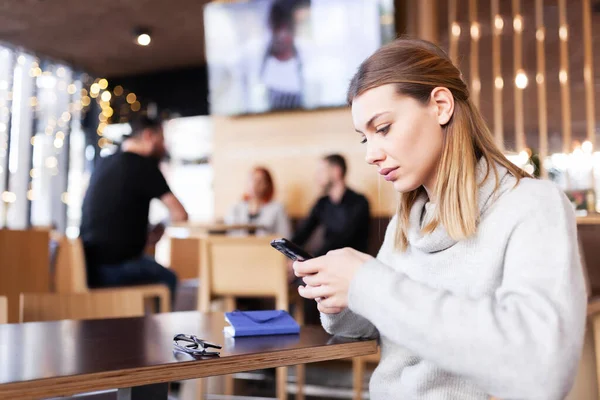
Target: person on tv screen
{"type": "Point", "coordinates": [281, 68]}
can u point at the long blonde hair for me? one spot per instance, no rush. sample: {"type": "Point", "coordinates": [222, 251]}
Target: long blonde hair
{"type": "Point", "coordinates": [416, 67]}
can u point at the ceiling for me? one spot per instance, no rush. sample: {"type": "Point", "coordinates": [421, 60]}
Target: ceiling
{"type": "Point", "coordinates": [97, 35]}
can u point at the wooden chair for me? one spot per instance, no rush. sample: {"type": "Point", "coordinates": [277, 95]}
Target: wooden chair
{"type": "Point", "coordinates": [71, 276]}
{"type": "Point", "coordinates": [247, 267]}
{"type": "Point", "coordinates": [185, 257]}
{"type": "Point", "coordinates": [3, 310]}
{"type": "Point", "coordinates": [24, 265]}
{"type": "Point", "coordinates": [92, 305]}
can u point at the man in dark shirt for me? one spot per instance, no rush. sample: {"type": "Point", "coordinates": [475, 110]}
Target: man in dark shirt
{"type": "Point", "coordinates": [343, 212]}
{"type": "Point", "coordinates": [114, 223]}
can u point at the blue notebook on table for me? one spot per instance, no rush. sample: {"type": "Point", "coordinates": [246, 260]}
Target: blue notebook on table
{"type": "Point", "coordinates": [260, 323]}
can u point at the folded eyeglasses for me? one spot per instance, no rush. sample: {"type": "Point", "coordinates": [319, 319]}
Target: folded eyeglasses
{"type": "Point", "coordinates": [194, 346]}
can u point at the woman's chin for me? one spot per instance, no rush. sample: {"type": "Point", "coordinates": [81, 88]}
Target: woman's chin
{"type": "Point", "coordinates": [404, 185]}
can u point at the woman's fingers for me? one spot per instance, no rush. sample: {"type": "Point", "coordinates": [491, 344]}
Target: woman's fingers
{"type": "Point", "coordinates": [313, 292]}
{"type": "Point", "coordinates": [308, 267]}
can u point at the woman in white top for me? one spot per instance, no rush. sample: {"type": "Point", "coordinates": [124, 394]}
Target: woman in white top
{"type": "Point", "coordinates": [258, 207]}
{"type": "Point", "coordinates": [478, 288]}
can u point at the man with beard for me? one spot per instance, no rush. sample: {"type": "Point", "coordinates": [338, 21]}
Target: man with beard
{"type": "Point", "coordinates": [341, 211]}
{"type": "Point", "coordinates": [114, 224]}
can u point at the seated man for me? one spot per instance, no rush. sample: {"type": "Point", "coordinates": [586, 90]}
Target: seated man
{"type": "Point", "coordinates": [343, 212]}
{"type": "Point", "coordinates": [114, 223]}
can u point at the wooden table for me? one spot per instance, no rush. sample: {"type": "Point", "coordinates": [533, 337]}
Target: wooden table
{"type": "Point", "coordinates": [135, 355]}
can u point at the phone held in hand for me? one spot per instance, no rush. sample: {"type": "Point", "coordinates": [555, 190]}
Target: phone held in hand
{"type": "Point", "coordinates": [290, 250]}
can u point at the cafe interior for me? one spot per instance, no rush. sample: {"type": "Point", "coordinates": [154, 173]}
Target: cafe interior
{"type": "Point", "coordinates": [74, 74]}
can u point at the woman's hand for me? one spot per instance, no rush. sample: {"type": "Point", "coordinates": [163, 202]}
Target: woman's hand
{"type": "Point", "coordinates": [328, 278]}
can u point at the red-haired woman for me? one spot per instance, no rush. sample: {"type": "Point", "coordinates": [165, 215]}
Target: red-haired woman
{"type": "Point", "coordinates": [258, 207]}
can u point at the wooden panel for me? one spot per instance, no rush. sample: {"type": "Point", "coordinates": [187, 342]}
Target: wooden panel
{"type": "Point", "coordinates": [565, 94]}
{"type": "Point", "coordinates": [24, 265]}
{"type": "Point", "coordinates": [86, 356]}
{"type": "Point", "coordinates": [540, 79]}
{"type": "Point", "coordinates": [92, 305]}
{"type": "Point", "coordinates": [588, 75]}
{"type": "Point", "coordinates": [290, 144]}
{"type": "Point", "coordinates": [3, 310]}
{"type": "Point", "coordinates": [498, 82]}
{"type": "Point", "coordinates": [518, 69]}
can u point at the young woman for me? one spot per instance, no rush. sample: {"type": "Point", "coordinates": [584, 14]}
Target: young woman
{"type": "Point", "coordinates": [478, 288]}
{"type": "Point", "coordinates": [258, 207]}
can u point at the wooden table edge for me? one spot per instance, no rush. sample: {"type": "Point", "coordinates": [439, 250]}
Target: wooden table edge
{"type": "Point", "coordinates": [75, 384]}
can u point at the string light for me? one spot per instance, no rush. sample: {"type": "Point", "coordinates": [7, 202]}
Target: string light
{"type": "Point", "coordinates": [563, 33]}
{"type": "Point", "coordinates": [498, 23]}
{"type": "Point", "coordinates": [85, 101]}
{"type": "Point", "coordinates": [102, 118]}
{"type": "Point", "coordinates": [84, 92]}
{"type": "Point", "coordinates": [563, 76]}
{"type": "Point", "coordinates": [30, 196]}
{"type": "Point", "coordinates": [33, 101]}
{"type": "Point", "coordinates": [499, 82]}
{"type": "Point", "coordinates": [455, 29]}
{"type": "Point", "coordinates": [475, 31]}
{"type": "Point", "coordinates": [106, 96]}
{"type": "Point", "coordinates": [103, 83]}
{"type": "Point", "coordinates": [95, 89]}
{"type": "Point", "coordinates": [60, 135]}
{"type": "Point", "coordinates": [66, 116]}
{"type": "Point", "coordinates": [135, 107]}
{"type": "Point", "coordinates": [108, 112]}
{"type": "Point", "coordinates": [58, 143]}
{"type": "Point", "coordinates": [9, 197]}
{"type": "Point", "coordinates": [51, 162]}
{"type": "Point", "coordinates": [540, 35]}
{"type": "Point", "coordinates": [34, 173]}
{"type": "Point", "coordinates": [521, 80]}
{"type": "Point", "coordinates": [64, 197]}
{"type": "Point", "coordinates": [60, 72]}
{"type": "Point", "coordinates": [118, 90]}
{"type": "Point", "coordinates": [32, 141]}
{"type": "Point", "coordinates": [131, 98]}
{"type": "Point", "coordinates": [518, 23]}
{"type": "Point", "coordinates": [21, 60]}
{"type": "Point", "coordinates": [539, 78]}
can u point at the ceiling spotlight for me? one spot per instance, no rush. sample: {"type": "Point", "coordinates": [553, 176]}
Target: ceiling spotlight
{"type": "Point", "coordinates": [142, 36]}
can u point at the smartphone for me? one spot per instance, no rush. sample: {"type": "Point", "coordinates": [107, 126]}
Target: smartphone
{"type": "Point", "coordinates": [290, 250]}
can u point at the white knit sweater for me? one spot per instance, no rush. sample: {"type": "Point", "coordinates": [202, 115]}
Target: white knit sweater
{"type": "Point", "coordinates": [499, 314]}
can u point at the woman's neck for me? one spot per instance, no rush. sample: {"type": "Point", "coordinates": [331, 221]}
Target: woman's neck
{"type": "Point", "coordinates": [254, 205]}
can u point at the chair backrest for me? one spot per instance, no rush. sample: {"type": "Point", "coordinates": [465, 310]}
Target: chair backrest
{"type": "Point", "coordinates": [24, 265]}
{"type": "Point", "coordinates": [70, 274]}
{"type": "Point", "coordinates": [185, 257]}
{"type": "Point", "coordinates": [98, 304]}
{"type": "Point", "coordinates": [241, 267]}
{"type": "Point", "coordinates": [3, 310]}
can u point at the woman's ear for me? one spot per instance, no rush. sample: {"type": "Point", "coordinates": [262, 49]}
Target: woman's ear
{"type": "Point", "coordinates": [444, 102]}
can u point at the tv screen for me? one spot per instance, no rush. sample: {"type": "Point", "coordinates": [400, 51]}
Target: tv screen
{"type": "Point", "coordinates": [266, 55]}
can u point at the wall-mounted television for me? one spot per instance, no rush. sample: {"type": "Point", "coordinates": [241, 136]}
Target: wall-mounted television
{"type": "Point", "coordinates": [266, 55]}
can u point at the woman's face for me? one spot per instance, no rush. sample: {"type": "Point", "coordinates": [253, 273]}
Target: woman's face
{"type": "Point", "coordinates": [404, 137]}
{"type": "Point", "coordinates": [257, 185]}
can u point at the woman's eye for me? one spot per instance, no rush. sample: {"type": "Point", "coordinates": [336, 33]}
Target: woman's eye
{"type": "Point", "coordinates": [383, 130]}
{"type": "Point", "coordinates": [364, 140]}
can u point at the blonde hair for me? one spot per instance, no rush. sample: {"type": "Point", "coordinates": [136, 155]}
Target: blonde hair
{"type": "Point", "coordinates": [416, 67]}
